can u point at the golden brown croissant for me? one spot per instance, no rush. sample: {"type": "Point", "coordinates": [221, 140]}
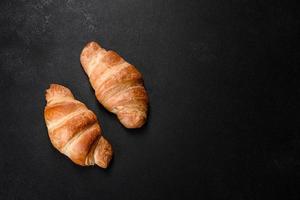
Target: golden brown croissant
{"type": "Point", "coordinates": [118, 85]}
{"type": "Point", "coordinates": [74, 130]}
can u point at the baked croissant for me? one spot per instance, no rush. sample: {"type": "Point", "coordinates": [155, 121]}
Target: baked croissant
{"type": "Point", "coordinates": [74, 130]}
{"type": "Point", "coordinates": [118, 85]}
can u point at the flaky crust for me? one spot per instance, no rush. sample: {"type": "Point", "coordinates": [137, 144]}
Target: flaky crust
{"type": "Point", "coordinates": [74, 129]}
{"type": "Point", "coordinates": [118, 85]}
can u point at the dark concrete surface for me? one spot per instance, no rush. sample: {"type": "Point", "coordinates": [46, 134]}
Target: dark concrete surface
{"type": "Point", "coordinates": [223, 87]}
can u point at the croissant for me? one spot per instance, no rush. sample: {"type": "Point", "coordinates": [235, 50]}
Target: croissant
{"type": "Point", "coordinates": [118, 85]}
{"type": "Point", "coordinates": [74, 130]}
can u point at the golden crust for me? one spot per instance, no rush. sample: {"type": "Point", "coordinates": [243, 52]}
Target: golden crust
{"type": "Point", "coordinates": [111, 59]}
{"type": "Point", "coordinates": [73, 128]}
{"type": "Point", "coordinates": [78, 149]}
{"type": "Point", "coordinates": [61, 109]}
{"type": "Point", "coordinates": [61, 134]}
{"type": "Point", "coordinates": [117, 84]}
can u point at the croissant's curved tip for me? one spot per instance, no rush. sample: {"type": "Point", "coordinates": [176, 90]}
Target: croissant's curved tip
{"type": "Point", "coordinates": [56, 90]}
{"type": "Point", "coordinates": [103, 153]}
{"type": "Point", "coordinates": [93, 44]}
{"type": "Point", "coordinates": [54, 85]}
{"type": "Point", "coordinates": [132, 120]}
{"type": "Point", "coordinates": [103, 165]}
{"type": "Point", "coordinates": [89, 50]}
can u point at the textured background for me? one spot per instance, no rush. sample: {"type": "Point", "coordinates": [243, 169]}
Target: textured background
{"type": "Point", "coordinates": [221, 76]}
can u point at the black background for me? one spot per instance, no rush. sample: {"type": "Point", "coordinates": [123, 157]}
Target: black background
{"type": "Point", "coordinates": [221, 77]}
